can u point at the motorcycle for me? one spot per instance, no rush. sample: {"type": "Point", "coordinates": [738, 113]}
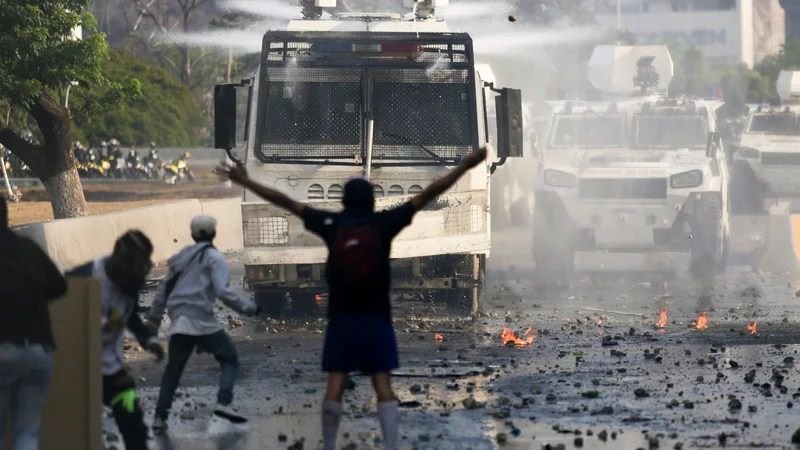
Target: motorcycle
{"type": "Point", "coordinates": [177, 171]}
{"type": "Point", "coordinates": [116, 167]}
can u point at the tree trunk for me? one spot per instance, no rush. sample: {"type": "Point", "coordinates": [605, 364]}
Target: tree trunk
{"type": "Point", "coordinates": [55, 164]}
{"type": "Point", "coordinates": [186, 70]}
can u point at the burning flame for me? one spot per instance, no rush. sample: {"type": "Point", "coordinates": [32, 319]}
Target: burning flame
{"type": "Point", "coordinates": [599, 322]}
{"type": "Point", "coordinates": [529, 331]}
{"type": "Point", "coordinates": [662, 322]}
{"type": "Point", "coordinates": [752, 328]}
{"type": "Point", "coordinates": [318, 298]}
{"type": "Point", "coordinates": [702, 322]}
{"type": "Point", "coordinates": [509, 336]}
{"type": "Point", "coordinates": [438, 337]}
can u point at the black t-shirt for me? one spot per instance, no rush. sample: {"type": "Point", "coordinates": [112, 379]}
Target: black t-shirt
{"type": "Point", "coordinates": [345, 299]}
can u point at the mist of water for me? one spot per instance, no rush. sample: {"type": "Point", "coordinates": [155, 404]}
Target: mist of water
{"type": "Point", "coordinates": [239, 41]}
{"type": "Point", "coordinates": [264, 8]}
{"type": "Point", "coordinates": [473, 10]}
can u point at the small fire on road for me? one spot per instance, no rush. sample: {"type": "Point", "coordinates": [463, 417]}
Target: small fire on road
{"type": "Point", "coordinates": [752, 328]}
{"type": "Point", "coordinates": [662, 322]}
{"type": "Point", "coordinates": [701, 323]}
{"type": "Point", "coordinates": [438, 337]}
{"type": "Point", "coordinates": [509, 336]}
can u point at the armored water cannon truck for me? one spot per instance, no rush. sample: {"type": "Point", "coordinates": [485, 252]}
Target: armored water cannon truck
{"type": "Point", "coordinates": [767, 162]}
{"type": "Point", "coordinates": [636, 182]}
{"type": "Point", "coordinates": [395, 99]}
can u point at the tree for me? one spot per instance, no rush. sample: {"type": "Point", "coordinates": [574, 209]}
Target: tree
{"type": "Point", "coordinates": [40, 60]}
{"type": "Point", "coordinates": [166, 112]}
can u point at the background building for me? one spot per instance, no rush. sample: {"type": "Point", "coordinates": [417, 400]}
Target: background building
{"type": "Point", "coordinates": [732, 31]}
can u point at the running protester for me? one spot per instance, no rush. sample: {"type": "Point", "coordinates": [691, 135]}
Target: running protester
{"type": "Point", "coordinates": [198, 276]}
{"type": "Point", "coordinates": [358, 275]}
{"type": "Point", "coordinates": [121, 276]}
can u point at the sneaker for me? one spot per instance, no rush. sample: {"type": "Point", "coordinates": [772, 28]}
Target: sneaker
{"type": "Point", "coordinates": [159, 425]}
{"type": "Point", "coordinates": [226, 412]}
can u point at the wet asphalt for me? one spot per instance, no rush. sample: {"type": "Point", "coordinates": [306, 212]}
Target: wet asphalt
{"type": "Point", "coordinates": [599, 374]}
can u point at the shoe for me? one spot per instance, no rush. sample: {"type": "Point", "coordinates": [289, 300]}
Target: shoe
{"type": "Point", "coordinates": [226, 412]}
{"type": "Point", "coordinates": [159, 425]}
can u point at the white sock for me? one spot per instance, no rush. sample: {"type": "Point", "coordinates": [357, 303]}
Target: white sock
{"type": "Point", "coordinates": [331, 416]}
{"type": "Point", "coordinates": [390, 422]}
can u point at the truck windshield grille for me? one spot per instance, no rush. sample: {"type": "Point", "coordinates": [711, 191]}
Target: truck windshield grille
{"type": "Point", "coordinates": [312, 112]}
{"type": "Point", "coordinates": [415, 108]}
{"type": "Point", "coordinates": [622, 188]}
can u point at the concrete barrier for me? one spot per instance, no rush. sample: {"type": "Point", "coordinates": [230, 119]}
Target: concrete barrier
{"type": "Point", "coordinates": [71, 242]}
{"type": "Point", "coordinates": [228, 213]}
{"type": "Point", "coordinates": [72, 416]}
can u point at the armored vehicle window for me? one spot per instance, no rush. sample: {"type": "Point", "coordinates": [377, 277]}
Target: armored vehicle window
{"type": "Point", "coordinates": [588, 130]}
{"type": "Point", "coordinates": [670, 131]}
{"type": "Point", "coordinates": [773, 124]}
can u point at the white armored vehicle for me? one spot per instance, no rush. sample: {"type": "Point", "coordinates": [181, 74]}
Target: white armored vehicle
{"type": "Point", "coordinates": [636, 182]}
{"type": "Point", "coordinates": [767, 162]}
{"type": "Point", "coordinates": [395, 99]}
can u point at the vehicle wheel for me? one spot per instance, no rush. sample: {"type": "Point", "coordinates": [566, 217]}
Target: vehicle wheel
{"type": "Point", "coordinates": [553, 246]}
{"type": "Point", "coordinates": [271, 303]}
{"type": "Point", "coordinates": [708, 239]}
{"type": "Point", "coordinates": [747, 194]}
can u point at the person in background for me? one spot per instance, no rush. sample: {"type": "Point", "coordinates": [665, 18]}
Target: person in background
{"type": "Point", "coordinates": [29, 281]}
{"type": "Point", "coordinates": [122, 276]}
{"type": "Point", "coordinates": [358, 275]}
{"type": "Point", "coordinates": [198, 275]}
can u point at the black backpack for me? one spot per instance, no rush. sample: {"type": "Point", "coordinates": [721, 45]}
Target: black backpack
{"type": "Point", "coordinates": [355, 254]}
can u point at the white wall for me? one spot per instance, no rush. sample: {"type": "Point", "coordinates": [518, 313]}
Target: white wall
{"type": "Point", "coordinates": [722, 34]}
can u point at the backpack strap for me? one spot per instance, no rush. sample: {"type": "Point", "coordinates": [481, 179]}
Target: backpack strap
{"type": "Point", "coordinates": [172, 282]}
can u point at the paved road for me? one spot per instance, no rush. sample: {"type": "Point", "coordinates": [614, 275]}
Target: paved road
{"type": "Point", "coordinates": [676, 385]}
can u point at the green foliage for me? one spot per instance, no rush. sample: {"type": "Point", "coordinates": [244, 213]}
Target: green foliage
{"type": "Point", "coordinates": [165, 112]}
{"type": "Point", "coordinates": [787, 59]}
{"type": "Point", "coordinates": [38, 53]}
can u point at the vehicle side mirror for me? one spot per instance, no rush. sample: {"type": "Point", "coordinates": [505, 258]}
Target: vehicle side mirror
{"type": "Point", "coordinates": [225, 116]}
{"type": "Point", "coordinates": [508, 107]}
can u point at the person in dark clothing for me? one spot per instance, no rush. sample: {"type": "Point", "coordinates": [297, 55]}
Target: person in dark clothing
{"type": "Point", "coordinates": [358, 275]}
{"type": "Point", "coordinates": [121, 276]}
{"type": "Point", "coordinates": [29, 281]}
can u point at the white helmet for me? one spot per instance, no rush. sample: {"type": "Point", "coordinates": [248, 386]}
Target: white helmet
{"type": "Point", "coordinates": [204, 227]}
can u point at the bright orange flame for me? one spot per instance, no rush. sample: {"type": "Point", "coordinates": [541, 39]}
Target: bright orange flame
{"type": "Point", "coordinates": [702, 322]}
{"type": "Point", "coordinates": [662, 322]}
{"type": "Point", "coordinates": [318, 298]}
{"type": "Point", "coordinates": [438, 337]}
{"type": "Point", "coordinates": [752, 328]}
{"type": "Point", "coordinates": [509, 336]}
{"type": "Point", "coordinates": [600, 322]}
{"type": "Point", "coordinates": [529, 331]}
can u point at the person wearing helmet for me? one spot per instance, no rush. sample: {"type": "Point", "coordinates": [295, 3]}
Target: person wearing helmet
{"type": "Point", "coordinates": [198, 275]}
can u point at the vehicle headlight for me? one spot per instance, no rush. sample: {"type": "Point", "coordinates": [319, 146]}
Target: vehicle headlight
{"type": "Point", "coordinates": [749, 153]}
{"type": "Point", "coordinates": [557, 178]}
{"type": "Point", "coordinates": [690, 179]}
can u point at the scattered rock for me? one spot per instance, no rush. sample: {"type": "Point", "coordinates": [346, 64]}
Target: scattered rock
{"type": "Point", "coordinates": [606, 410]}
{"type": "Point", "coordinates": [578, 442]}
{"type": "Point", "coordinates": [603, 435]}
{"type": "Point", "coordinates": [415, 389]}
{"type": "Point", "coordinates": [735, 404]}
{"type": "Point", "coordinates": [641, 393]}
{"type": "Point", "coordinates": [750, 376]}
{"type": "Point", "coordinates": [502, 438]}
{"type": "Point", "coordinates": [752, 408]}
{"type": "Point", "coordinates": [282, 437]}
{"type": "Point", "coordinates": [591, 394]}
{"type": "Point", "coordinates": [471, 403]}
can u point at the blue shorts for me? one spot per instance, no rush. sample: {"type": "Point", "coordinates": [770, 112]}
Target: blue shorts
{"type": "Point", "coordinates": [364, 343]}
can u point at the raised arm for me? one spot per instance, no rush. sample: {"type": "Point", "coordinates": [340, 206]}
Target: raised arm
{"type": "Point", "coordinates": [239, 176]}
{"type": "Point", "coordinates": [441, 185]}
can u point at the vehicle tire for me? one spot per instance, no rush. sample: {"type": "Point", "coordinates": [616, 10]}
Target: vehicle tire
{"type": "Point", "coordinates": [708, 239]}
{"type": "Point", "coordinates": [553, 245]}
{"type": "Point", "coordinates": [271, 303]}
{"type": "Point", "coordinates": [747, 194]}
